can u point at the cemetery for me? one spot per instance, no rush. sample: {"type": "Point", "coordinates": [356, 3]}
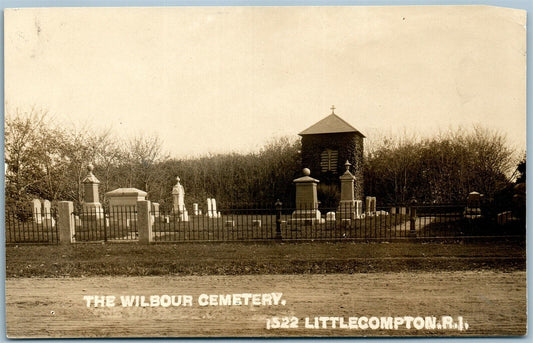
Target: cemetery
{"type": "Point", "coordinates": [307, 220]}
{"type": "Point", "coordinates": [128, 214]}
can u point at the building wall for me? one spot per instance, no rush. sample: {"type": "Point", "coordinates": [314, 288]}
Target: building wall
{"type": "Point", "coordinates": [349, 146]}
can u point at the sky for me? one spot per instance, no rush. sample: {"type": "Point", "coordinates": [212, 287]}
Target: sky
{"type": "Point", "coordinates": [221, 79]}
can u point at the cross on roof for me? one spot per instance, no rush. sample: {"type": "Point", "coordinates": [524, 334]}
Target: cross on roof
{"type": "Point", "coordinates": [332, 109]}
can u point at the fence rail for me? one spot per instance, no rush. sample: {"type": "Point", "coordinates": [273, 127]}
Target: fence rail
{"type": "Point", "coordinates": [116, 224]}
{"type": "Point", "coordinates": [262, 224]}
{"type": "Point", "coordinates": [24, 226]}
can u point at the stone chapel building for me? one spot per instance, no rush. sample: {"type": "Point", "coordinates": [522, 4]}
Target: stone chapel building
{"type": "Point", "coordinates": [327, 145]}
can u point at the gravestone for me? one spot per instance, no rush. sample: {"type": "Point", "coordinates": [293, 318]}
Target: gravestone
{"type": "Point", "coordinates": [195, 209]}
{"type": "Point", "coordinates": [209, 208]}
{"type": "Point", "coordinates": [373, 205]}
{"type": "Point", "coordinates": [347, 207]}
{"type": "Point", "coordinates": [214, 207]}
{"type": "Point", "coordinates": [504, 217]}
{"type": "Point", "coordinates": [48, 220]}
{"type": "Point", "coordinates": [368, 201]}
{"type": "Point", "coordinates": [216, 214]}
{"type": "Point", "coordinates": [123, 205]}
{"type": "Point", "coordinates": [178, 201]}
{"type": "Point", "coordinates": [155, 209]}
{"type": "Point", "coordinates": [92, 214]}
{"type": "Point", "coordinates": [473, 206]}
{"type": "Point", "coordinates": [358, 209]}
{"type": "Point", "coordinates": [47, 208]}
{"type": "Point", "coordinates": [125, 198]}
{"type": "Point", "coordinates": [306, 200]}
{"type": "Point", "coordinates": [91, 201]}
{"type": "Point", "coordinates": [36, 211]}
{"type": "Point", "coordinates": [330, 216]}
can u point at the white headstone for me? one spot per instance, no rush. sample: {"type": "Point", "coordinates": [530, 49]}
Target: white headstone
{"type": "Point", "coordinates": [330, 216]}
{"type": "Point", "coordinates": [358, 208]}
{"type": "Point", "coordinates": [195, 209]}
{"type": "Point", "coordinates": [184, 216]}
{"type": "Point", "coordinates": [214, 207]}
{"type": "Point", "coordinates": [36, 209]}
{"type": "Point", "coordinates": [209, 208]}
{"type": "Point", "coordinates": [368, 201]}
{"type": "Point", "coordinates": [155, 209]}
{"type": "Point", "coordinates": [47, 208]}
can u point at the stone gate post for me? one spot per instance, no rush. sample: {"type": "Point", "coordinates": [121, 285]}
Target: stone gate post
{"type": "Point", "coordinates": [144, 221]}
{"type": "Point", "coordinates": [65, 222]}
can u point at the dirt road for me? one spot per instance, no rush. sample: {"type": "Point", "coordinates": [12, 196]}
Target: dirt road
{"type": "Point", "coordinates": [490, 302]}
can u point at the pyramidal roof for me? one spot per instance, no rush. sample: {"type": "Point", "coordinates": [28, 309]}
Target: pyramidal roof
{"type": "Point", "coordinates": [331, 124]}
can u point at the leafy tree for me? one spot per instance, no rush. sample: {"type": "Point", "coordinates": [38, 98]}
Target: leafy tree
{"type": "Point", "coordinates": [32, 155]}
{"type": "Point", "coordinates": [440, 169]}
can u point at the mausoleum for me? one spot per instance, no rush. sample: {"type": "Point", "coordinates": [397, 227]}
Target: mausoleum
{"type": "Point", "coordinates": [327, 145]}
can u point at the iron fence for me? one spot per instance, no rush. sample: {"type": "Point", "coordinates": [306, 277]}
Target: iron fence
{"type": "Point", "coordinates": [117, 223]}
{"type": "Point", "coordinates": [24, 226]}
{"type": "Point", "coordinates": [309, 223]}
{"type": "Point", "coordinates": [264, 223]}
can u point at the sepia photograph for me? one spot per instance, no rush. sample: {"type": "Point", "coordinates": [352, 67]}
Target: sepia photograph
{"type": "Point", "coordinates": [265, 171]}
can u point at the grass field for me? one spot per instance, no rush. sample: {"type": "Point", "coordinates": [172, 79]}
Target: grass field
{"type": "Point", "coordinates": [133, 259]}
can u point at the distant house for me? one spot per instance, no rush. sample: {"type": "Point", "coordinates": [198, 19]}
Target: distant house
{"type": "Point", "coordinates": [327, 145]}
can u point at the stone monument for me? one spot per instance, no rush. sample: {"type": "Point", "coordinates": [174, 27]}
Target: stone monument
{"type": "Point", "coordinates": [123, 205]}
{"type": "Point", "coordinates": [370, 206]}
{"type": "Point", "coordinates": [349, 208]}
{"type": "Point", "coordinates": [36, 211]}
{"type": "Point", "coordinates": [212, 208]}
{"type": "Point", "coordinates": [178, 201]}
{"type": "Point", "coordinates": [306, 200]}
{"type": "Point", "coordinates": [473, 206]}
{"type": "Point", "coordinates": [47, 214]}
{"type": "Point", "coordinates": [91, 200]}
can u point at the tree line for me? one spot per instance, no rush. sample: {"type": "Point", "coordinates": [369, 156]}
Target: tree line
{"type": "Point", "coordinates": [440, 169]}
{"type": "Point", "coordinates": [49, 161]}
